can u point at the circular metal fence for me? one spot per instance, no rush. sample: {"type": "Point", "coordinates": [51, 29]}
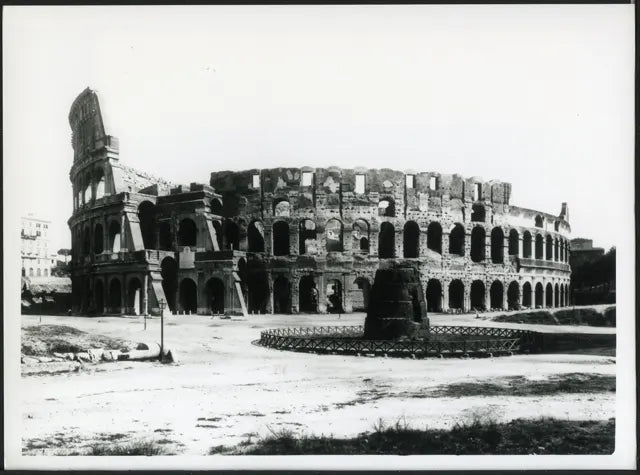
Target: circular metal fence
{"type": "Point", "coordinates": [441, 341]}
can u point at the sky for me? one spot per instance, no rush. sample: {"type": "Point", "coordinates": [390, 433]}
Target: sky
{"type": "Point", "coordinates": [538, 96]}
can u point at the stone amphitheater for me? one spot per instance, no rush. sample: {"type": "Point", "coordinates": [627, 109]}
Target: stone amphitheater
{"type": "Point", "coordinates": [290, 240]}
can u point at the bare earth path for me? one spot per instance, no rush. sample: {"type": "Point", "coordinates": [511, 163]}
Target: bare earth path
{"type": "Point", "coordinates": [224, 389]}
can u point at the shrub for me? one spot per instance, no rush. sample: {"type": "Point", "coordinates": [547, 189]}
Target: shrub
{"type": "Point", "coordinates": [141, 447]}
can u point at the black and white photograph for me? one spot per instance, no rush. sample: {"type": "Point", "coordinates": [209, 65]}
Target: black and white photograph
{"type": "Point", "coordinates": [270, 237]}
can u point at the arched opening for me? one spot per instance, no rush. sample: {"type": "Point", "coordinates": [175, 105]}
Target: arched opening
{"type": "Point", "coordinates": [360, 236]}
{"type": "Point", "coordinates": [477, 295]}
{"type": "Point", "coordinates": [38, 272]}
{"type": "Point", "coordinates": [556, 296]}
{"type": "Point", "coordinates": [134, 297]}
{"type": "Point", "coordinates": [169, 274]}
{"type": "Point", "coordinates": [99, 180]}
{"type": "Point", "coordinates": [46, 272]}
{"type": "Point", "coordinates": [187, 232]}
{"type": "Point", "coordinates": [333, 235]}
{"type": "Point", "coordinates": [217, 228]}
{"type": "Point", "coordinates": [114, 236]}
{"type": "Point", "coordinates": [513, 296]}
{"type": "Point", "coordinates": [334, 296]}
{"type": "Point", "coordinates": [526, 244]}
{"type": "Point", "coordinates": [86, 196]}
{"type": "Point", "coordinates": [478, 213]}
{"type": "Point", "coordinates": [497, 245]}
{"type": "Point", "coordinates": [386, 241]}
{"type": "Point", "coordinates": [307, 237]}
{"type": "Point", "coordinates": [360, 298]}
{"type": "Point", "coordinates": [434, 296]}
{"type": "Point", "coordinates": [456, 294]}
{"type": "Point", "coordinates": [216, 206]}
{"type": "Point", "coordinates": [147, 217]}
{"type": "Point", "coordinates": [538, 221]}
{"type": "Point", "coordinates": [456, 240]}
{"type": "Point", "coordinates": [98, 296]}
{"type": "Point", "coordinates": [556, 248]}
{"type": "Point", "coordinates": [30, 271]}
{"type": "Point", "coordinates": [258, 292]}
{"type": "Point", "coordinates": [86, 242]}
{"type": "Point", "coordinates": [280, 238]}
{"type": "Point", "coordinates": [387, 207]}
{"type": "Point", "coordinates": [561, 250]}
{"type": "Point", "coordinates": [281, 208]}
{"type": "Point", "coordinates": [281, 295]}
{"type": "Point", "coordinates": [308, 294]}
{"type": "Point", "coordinates": [496, 294]}
{"type": "Point", "coordinates": [539, 295]}
{"type": "Point", "coordinates": [98, 237]}
{"type": "Point", "coordinates": [115, 296]}
{"type": "Point", "coordinates": [411, 240]}
{"type": "Point", "coordinates": [478, 244]}
{"type": "Point", "coordinates": [549, 255]}
{"type": "Point", "coordinates": [232, 235]}
{"type": "Point", "coordinates": [189, 296]}
{"type": "Point", "coordinates": [255, 237]}
{"type": "Point", "coordinates": [165, 236]}
{"type": "Point", "coordinates": [214, 292]}
{"type": "Point", "coordinates": [514, 242]}
{"type": "Point", "coordinates": [526, 295]}
{"type": "Point", "coordinates": [434, 237]}
{"type": "Point", "coordinates": [539, 246]}
{"type": "Point", "coordinates": [549, 295]}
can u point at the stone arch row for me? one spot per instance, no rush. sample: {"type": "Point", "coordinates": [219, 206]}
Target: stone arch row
{"type": "Point", "coordinates": [481, 295]}
{"type": "Point", "coordinates": [102, 236]}
{"type": "Point", "coordinates": [35, 273]}
{"type": "Point", "coordinates": [89, 186]}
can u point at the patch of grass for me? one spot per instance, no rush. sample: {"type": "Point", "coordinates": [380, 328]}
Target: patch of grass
{"type": "Point", "coordinates": [141, 447]}
{"type": "Point", "coordinates": [478, 437]}
{"type": "Point", "coordinates": [539, 318]}
{"type": "Point", "coordinates": [519, 386]}
{"type": "Point", "coordinates": [44, 340]}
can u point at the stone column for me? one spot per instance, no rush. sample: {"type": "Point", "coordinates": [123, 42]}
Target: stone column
{"type": "Point", "coordinates": [487, 248]}
{"type": "Point", "coordinates": [123, 227]}
{"type": "Point", "coordinates": [294, 240]}
{"type": "Point", "coordinates": [505, 300]}
{"type": "Point", "coordinates": [422, 243]}
{"type": "Point", "coordinates": [487, 296]}
{"type": "Point", "coordinates": [544, 295]}
{"type": "Point", "coordinates": [466, 301]}
{"type": "Point", "coordinates": [320, 285]}
{"type": "Point", "coordinates": [203, 305]}
{"type": "Point", "coordinates": [445, 295]}
{"type": "Point", "coordinates": [505, 250]}
{"type": "Point", "coordinates": [347, 283]}
{"type": "Point", "coordinates": [270, 305]}
{"type": "Point", "coordinates": [467, 244]}
{"type": "Point", "coordinates": [520, 247]}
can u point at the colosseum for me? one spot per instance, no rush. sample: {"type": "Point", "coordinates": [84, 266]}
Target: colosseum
{"type": "Point", "coordinates": [290, 240]}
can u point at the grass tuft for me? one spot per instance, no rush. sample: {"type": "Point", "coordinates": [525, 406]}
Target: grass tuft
{"type": "Point", "coordinates": [141, 447]}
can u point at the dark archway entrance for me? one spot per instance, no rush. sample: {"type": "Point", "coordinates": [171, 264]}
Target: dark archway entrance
{"type": "Point", "coordinates": [258, 291]}
{"type": "Point", "coordinates": [232, 235]}
{"type": "Point", "coordinates": [477, 295]}
{"type": "Point", "coordinates": [306, 237]}
{"type": "Point", "coordinates": [147, 218]}
{"type": "Point", "coordinates": [334, 296]}
{"type": "Point", "coordinates": [165, 236]}
{"type": "Point", "coordinates": [497, 246]}
{"type": "Point", "coordinates": [98, 295]}
{"type": "Point", "coordinates": [526, 295]}
{"type": "Point", "coordinates": [189, 296]}
{"type": "Point", "coordinates": [280, 238]}
{"type": "Point", "coordinates": [434, 296]}
{"type": "Point", "coordinates": [456, 294]}
{"type": "Point", "coordinates": [115, 296]}
{"type": "Point", "coordinates": [255, 237]}
{"type": "Point", "coordinates": [187, 232]}
{"type": "Point", "coordinates": [411, 239]}
{"type": "Point", "coordinates": [513, 296]}
{"type": "Point", "coordinates": [308, 294]}
{"type": "Point", "coordinates": [456, 240]}
{"type": "Point", "coordinates": [434, 237]}
{"type": "Point", "coordinates": [98, 238]}
{"type": "Point", "coordinates": [478, 244]}
{"type": "Point", "coordinates": [386, 241]}
{"type": "Point", "coordinates": [214, 292]}
{"type": "Point", "coordinates": [526, 245]}
{"type": "Point", "coordinates": [281, 295]}
{"type": "Point", "coordinates": [497, 295]}
{"type": "Point", "coordinates": [539, 295]}
{"type": "Point", "coordinates": [549, 295]}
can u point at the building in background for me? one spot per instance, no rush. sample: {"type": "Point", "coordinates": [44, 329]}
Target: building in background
{"type": "Point", "coordinates": [583, 252]}
{"type": "Point", "coordinates": [593, 278]}
{"type": "Point", "coordinates": [37, 259]}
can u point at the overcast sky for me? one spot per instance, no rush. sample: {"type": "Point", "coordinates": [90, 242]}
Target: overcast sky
{"type": "Point", "coordinates": [538, 96]}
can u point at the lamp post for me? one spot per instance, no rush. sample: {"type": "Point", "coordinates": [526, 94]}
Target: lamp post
{"type": "Point", "coordinates": [162, 304]}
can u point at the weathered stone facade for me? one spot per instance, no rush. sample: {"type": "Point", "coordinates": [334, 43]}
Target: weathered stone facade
{"type": "Point", "coordinates": [298, 239]}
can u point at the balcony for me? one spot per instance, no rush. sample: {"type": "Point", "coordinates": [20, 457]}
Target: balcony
{"type": "Point", "coordinates": [544, 264]}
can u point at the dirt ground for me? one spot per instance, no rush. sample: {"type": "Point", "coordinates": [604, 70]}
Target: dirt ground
{"type": "Point", "coordinates": [224, 390]}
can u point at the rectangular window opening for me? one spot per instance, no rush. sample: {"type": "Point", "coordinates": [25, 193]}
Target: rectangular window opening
{"type": "Point", "coordinates": [409, 181]}
{"type": "Point", "coordinates": [255, 181]}
{"type": "Point", "coordinates": [307, 178]}
{"type": "Point", "coordinates": [433, 183]}
{"type": "Point", "coordinates": [477, 192]}
{"type": "Point", "coordinates": [359, 184]}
